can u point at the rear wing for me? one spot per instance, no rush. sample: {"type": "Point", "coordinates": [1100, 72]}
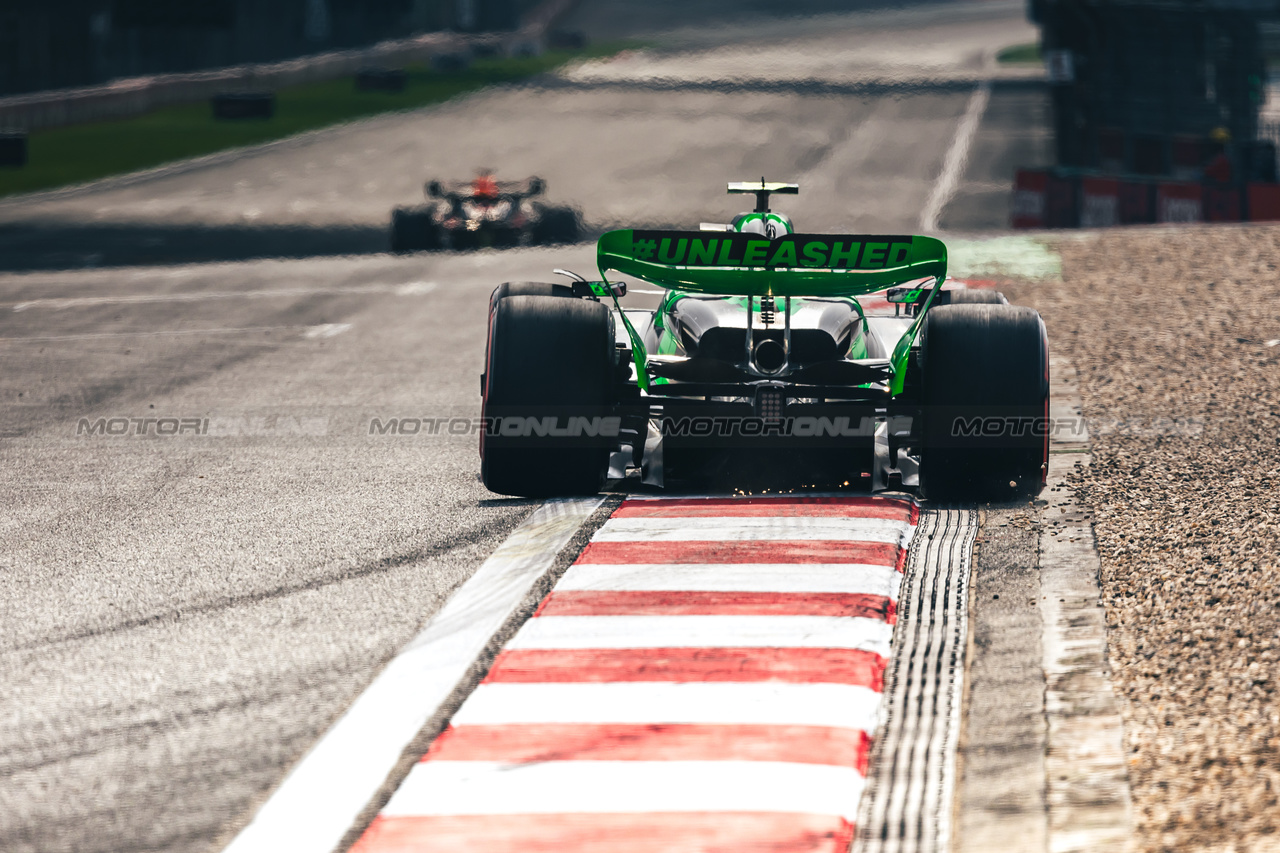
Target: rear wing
{"type": "Point", "coordinates": [732, 264]}
{"type": "Point", "coordinates": [466, 189]}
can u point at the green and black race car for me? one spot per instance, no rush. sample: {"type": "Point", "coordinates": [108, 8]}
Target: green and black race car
{"type": "Point", "coordinates": [763, 367]}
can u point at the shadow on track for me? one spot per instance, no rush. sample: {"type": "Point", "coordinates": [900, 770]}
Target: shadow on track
{"type": "Point", "coordinates": [76, 245]}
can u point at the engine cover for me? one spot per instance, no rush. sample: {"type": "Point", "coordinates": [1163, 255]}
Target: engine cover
{"type": "Point", "coordinates": [716, 327]}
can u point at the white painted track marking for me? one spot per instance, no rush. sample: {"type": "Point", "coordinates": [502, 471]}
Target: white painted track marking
{"type": "Point", "coordinates": [662, 632]}
{"type": "Point", "coordinates": [838, 705]}
{"type": "Point", "coordinates": [849, 578]}
{"type": "Point", "coordinates": [956, 159]}
{"type": "Point", "coordinates": [584, 787]}
{"type": "Point", "coordinates": [738, 529]}
{"type": "Point", "coordinates": [324, 794]}
{"type": "Point", "coordinates": [416, 288]}
{"type": "Point", "coordinates": [326, 330]}
{"type": "Point", "coordinates": [162, 333]}
{"type": "Point", "coordinates": [674, 740]}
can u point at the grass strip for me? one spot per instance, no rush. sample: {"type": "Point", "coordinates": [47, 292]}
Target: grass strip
{"type": "Point", "coordinates": [1020, 54]}
{"type": "Point", "coordinates": [71, 155]}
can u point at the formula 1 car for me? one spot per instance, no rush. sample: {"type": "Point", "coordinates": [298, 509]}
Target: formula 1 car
{"type": "Point", "coordinates": [761, 367]}
{"type": "Point", "coordinates": [481, 213]}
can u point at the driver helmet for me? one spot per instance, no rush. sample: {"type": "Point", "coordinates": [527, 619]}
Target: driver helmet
{"type": "Point", "coordinates": [484, 186]}
{"type": "Point", "coordinates": [769, 225]}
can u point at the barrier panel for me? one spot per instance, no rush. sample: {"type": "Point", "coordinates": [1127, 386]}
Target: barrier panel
{"type": "Point", "coordinates": [1264, 202]}
{"type": "Point", "coordinates": [1137, 203]}
{"type": "Point", "coordinates": [1223, 204]}
{"type": "Point", "coordinates": [1179, 202]}
{"type": "Point", "coordinates": [1099, 202]}
{"type": "Point", "coordinates": [1045, 199]}
{"type": "Point", "coordinates": [1060, 202]}
{"type": "Point", "coordinates": [234, 106]}
{"type": "Point", "coordinates": [13, 149]}
{"type": "Point", "coordinates": [1029, 198]}
{"type": "Point", "coordinates": [1029, 186]}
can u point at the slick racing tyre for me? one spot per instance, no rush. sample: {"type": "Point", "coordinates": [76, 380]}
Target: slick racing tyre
{"type": "Point", "coordinates": [985, 389]}
{"type": "Point", "coordinates": [528, 288]}
{"type": "Point", "coordinates": [547, 390]}
{"type": "Point", "coordinates": [412, 230]}
{"type": "Point", "coordinates": [522, 288]}
{"type": "Point", "coordinates": [975, 297]}
{"type": "Point", "coordinates": [557, 225]}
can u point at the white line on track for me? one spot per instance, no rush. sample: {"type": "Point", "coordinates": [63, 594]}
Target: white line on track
{"type": "Point", "coordinates": [415, 288]}
{"type": "Point", "coordinates": [761, 529]}
{"type": "Point", "coordinates": [326, 791]}
{"type": "Point", "coordinates": [662, 632]}
{"type": "Point", "coordinates": [327, 330]}
{"type": "Point", "coordinates": [583, 787]}
{"type": "Point", "coordinates": [164, 333]}
{"type": "Point", "coordinates": [956, 159]}
{"type": "Point", "coordinates": [740, 577]}
{"type": "Point", "coordinates": [721, 703]}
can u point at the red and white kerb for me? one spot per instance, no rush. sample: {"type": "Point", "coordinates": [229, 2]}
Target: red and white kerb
{"type": "Point", "coordinates": [707, 676]}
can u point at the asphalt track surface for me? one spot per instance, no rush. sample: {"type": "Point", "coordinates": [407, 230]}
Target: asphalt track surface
{"type": "Point", "coordinates": [185, 614]}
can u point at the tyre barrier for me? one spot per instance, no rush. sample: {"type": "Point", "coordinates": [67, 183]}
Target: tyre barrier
{"type": "Point", "coordinates": [13, 149]}
{"type": "Point", "coordinates": [1060, 198]}
{"type": "Point", "coordinates": [234, 106]}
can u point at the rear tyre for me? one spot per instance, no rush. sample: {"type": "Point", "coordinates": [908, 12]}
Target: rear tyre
{"type": "Point", "coordinates": [985, 378]}
{"type": "Point", "coordinates": [548, 358]}
{"type": "Point", "coordinates": [528, 288]}
{"type": "Point", "coordinates": [413, 230]}
{"type": "Point", "coordinates": [557, 225]}
{"type": "Point", "coordinates": [521, 288]}
{"type": "Point", "coordinates": [976, 297]}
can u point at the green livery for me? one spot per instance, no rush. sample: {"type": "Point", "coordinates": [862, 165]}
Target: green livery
{"type": "Point", "coordinates": [763, 360]}
{"type": "Point", "coordinates": [735, 264]}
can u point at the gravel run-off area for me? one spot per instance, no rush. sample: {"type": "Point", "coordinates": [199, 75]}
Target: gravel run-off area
{"type": "Point", "coordinates": [1176, 335]}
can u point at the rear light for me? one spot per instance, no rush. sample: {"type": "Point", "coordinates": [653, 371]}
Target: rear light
{"type": "Point", "coordinates": [770, 403]}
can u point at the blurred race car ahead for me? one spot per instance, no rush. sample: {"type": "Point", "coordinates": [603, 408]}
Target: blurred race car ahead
{"type": "Point", "coordinates": [481, 213]}
{"type": "Point", "coordinates": [760, 368]}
